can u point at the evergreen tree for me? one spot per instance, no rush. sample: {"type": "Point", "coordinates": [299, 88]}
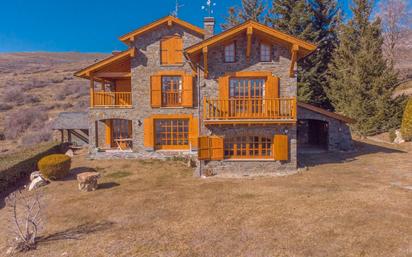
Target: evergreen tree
{"type": "Point", "coordinates": [250, 10]}
{"type": "Point", "coordinates": [361, 83]}
{"type": "Point", "coordinates": [315, 21]}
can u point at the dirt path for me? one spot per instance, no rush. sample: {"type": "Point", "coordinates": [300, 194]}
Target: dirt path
{"type": "Point", "coordinates": [352, 204]}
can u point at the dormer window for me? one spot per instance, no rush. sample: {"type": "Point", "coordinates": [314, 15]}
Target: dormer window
{"type": "Point", "coordinates": [230, 52]}
{"type": "Point", "coordinates": [265, 52]}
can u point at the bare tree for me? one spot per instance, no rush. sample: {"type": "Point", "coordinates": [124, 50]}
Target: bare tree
{"type": "Point", "coordinates": [396, 20]}
{"type": "Point", "coordinates": [25, 219]}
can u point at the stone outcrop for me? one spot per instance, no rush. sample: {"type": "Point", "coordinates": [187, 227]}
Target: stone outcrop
{"type": "Point", "coordinates": [37, 182]}
{"type": "Point", "coordinates": [88, 181]}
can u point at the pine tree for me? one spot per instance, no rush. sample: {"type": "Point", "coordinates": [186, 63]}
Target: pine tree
{"type": "Point", "coordinates": [315, 21]}
{"type": "Point", "coordinates": [361, 83]}
{"type": "Point", "coordinates": [250, 10]}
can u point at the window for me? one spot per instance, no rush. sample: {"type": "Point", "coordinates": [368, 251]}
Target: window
{"type": "Point", "coordinates": [247, 95]}
{"type": "Point", "coordinates": [171, 91]}
{"type": "Point", "coordinates": [171, 49]}
{"type": "Point", "coordinates": [248, 147]}
{"type": "Point", "coordinates": [230, 52]}
{"type": "Point", "coordinates": [265, 52]}
{"type": "Point", "coordinates": [172, 133]}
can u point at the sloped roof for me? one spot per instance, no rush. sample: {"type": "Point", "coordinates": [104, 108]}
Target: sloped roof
{"type": "Point", "coordinates": [119, 57]}
{"type": "Point", "coordinates": [71, 120]}
{"type": "Point", "coordinates": [326, 113]}
{"type": "Point", "coordinates": [304, 46]}
{"type": "Point", "coordinates": [165, 20]}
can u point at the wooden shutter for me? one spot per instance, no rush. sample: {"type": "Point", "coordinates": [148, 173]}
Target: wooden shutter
{"type": "Point", "coordinates": [194, 132]}
{"type": "Point", "coordinates": [130, 128]}
{"type": "Point", "coordinates": [281, 147]}
{"type": "Point", "coordinates": [216, 148]}
{"type": "Point", "coordinates": [224, 95]}
{"type": "Point", "coordinates": [156, 90]}
{"type": "Point", "coordinates": [203, 152]}
{"type": "Point", "coordinates": [187, 94]}
{"type": "Point", "coordinates": [210, 148]}
{"type": "Point", "coordinates": [148, 133]}
{"type": "Point", "coordinates": [272, 92]}
{"type": "Point", "coordinates": [108, 129]}
{"type": "Point", "coordinates": [164, 50]}
{"type": "Point", "coordinates": [177, 46]}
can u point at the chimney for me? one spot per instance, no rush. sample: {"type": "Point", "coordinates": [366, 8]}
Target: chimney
{"type": "Point", "coordinates": [209, 26]}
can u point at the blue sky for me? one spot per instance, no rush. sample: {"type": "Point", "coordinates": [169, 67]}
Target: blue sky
{"type": "Point", "coordinates": [88, 25]}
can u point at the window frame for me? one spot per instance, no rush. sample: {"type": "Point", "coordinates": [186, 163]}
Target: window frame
{"type": "Point", "coordinates": [247, 144]}
{"type": "Point", "coordinates": [179, 91]}
{"type": "Point", "coordinates": [234, 52]}
{"type": "Point", "coordinates": [270, 51]}
{"type": "Point", "coordinates": [174, 133]}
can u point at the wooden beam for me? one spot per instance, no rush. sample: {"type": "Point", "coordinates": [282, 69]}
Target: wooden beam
{"type": "Point", "coordinates": [91, 91]}
{"type": "Point", "coordinates": [293, 59]}
{"type": "Point", "coordinates": [249, 33]}
{"type": "Point", "coordinates": [112, 74]}
{"type": "Point", "coordinates": [205, 64]}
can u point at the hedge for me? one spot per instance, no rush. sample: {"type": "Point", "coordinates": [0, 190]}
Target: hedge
{"type": "Point", "coordinates": [55, 166]}
{"type": "Point", "coordinates": [406, 128]}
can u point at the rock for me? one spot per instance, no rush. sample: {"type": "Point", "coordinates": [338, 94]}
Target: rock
{"type": "Point", "coordinates": [37, 182]}
{"type": "Point", "coordinates": [88, 181]}
{"type": "Point", "coordinates": [70, 153]}
{"type": "Point", "coordinates": [398, 139]}
{"type": "Point", "coordinates": [35, 174]}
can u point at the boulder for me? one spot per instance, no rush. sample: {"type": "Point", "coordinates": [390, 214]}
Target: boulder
{"type": "Point", "coordinates": [399, 139]}
{"type": "Point", "coordinates": [70, 153]}
{"type": "Point", "coordinates": [35, 174]}
{"type": "Point", "coordinates": [37, 182]}
{"type": "Point", "coordinates": [88, 181]}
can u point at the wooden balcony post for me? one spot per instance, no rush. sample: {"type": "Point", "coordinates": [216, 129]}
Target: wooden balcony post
{"type": "Point", "coordinates": [204, 108]}
{"type": "Point", "coordinates": [91, 91]}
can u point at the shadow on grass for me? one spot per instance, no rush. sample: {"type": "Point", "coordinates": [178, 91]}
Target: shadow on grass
{"type": "Point", "coordinates": [361, 148]}
{"type": "Point", "coordinates": [107, 185]}
{"type": "Point", "coordinates": [77, 233]}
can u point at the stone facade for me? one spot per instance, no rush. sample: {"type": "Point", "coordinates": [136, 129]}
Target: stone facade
{"type": "Point", "coordinates": [279, 66]}
{"type": "Point", "coordinates": [339, 135]}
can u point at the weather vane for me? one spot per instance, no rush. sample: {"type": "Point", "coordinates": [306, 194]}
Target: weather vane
{"type": "Point", "coordinates": [209, 7]}
{"type": "Point", "coordinates": [175, 13]}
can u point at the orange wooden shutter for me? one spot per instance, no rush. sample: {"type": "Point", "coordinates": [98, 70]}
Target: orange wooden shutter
{"type": "Point", "coordinates": [203, 152]}
{"type": "Point", "coordinates": [272, 87]}
{"type": "Point", "coordinates": [130, 128]}
{"type": "Point", "coordinates": [164, 50]}
{"type": "Point", "coordinates": [108, 129]}
{"type": "Point", "coordinates": [281, 147]}
{"type": "Point", "coordinates": [148, 133]}
{"type": "Point", "coordinates": [177, 46]}
{"type": "Point", "coordinates": [194, 132]}
{"type": "Point", "coordinates": [187, 96]}
{"type": "Point", "coordinates": [224, 94]}
{"type": "Point", "coordinates": [216, 148]}
{"type": "Point", "coordinates": [156, 90]}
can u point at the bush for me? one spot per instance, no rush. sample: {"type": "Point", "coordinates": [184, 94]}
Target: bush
{"type": "Point", "coordinates": [406, 128]}
{"type": "Point", "coordinates": [36, 138]}
{"type": "Point", "coordinates": [392, 135]}
{"type": "Point", "coordinates": [55, 166]}
{"type": "Point", "coordinates": [5, 107]}
{"type": "Point", "coordinates": [16, 123]}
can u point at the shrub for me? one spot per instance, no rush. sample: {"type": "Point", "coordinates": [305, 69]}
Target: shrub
{"type": "Point", "coordinates": [36, 138]}
{"type": "Point", "coordinates": [14, 96]}
{"type": "Point", "coordinates": [55, 166]}
{"type": "Point", "coordinates": [5, 107]}
{"type": "Point", "coordinates": [17, 122]}
{"type": "Point", "coordinates": [392, 135]}
{"type": "Point", "coordinates": [406, 128]}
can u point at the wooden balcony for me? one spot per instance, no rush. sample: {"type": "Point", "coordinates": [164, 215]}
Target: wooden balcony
{"type": "Point", "coordinates": [112, 99]}
{"type": "Point", "coordinates": [249, 110]}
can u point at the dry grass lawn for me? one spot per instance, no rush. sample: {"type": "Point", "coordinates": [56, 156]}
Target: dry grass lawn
{"type": "Point", "coordinates": [354, 204]}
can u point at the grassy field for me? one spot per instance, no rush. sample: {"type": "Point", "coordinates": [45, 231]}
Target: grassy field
{"type": "Point", "coordinates": [354, 204]}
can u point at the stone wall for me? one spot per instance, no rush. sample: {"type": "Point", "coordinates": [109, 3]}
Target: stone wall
{"type": "Point", "coordinates": [279, 67]}
{"type": "Point", "coordinates": [339, 134]}
{"type": "Point", "coordinates": [145, 64]}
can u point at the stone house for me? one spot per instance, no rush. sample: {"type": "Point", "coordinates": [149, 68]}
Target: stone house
{"type": "Point", "coordinates": [229, 98]}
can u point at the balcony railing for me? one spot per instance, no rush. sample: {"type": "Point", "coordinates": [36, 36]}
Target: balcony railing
{"type": "Point", "coordinates": [250, 109]}
{"type": "Point", "coordinates": [112, 99]}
